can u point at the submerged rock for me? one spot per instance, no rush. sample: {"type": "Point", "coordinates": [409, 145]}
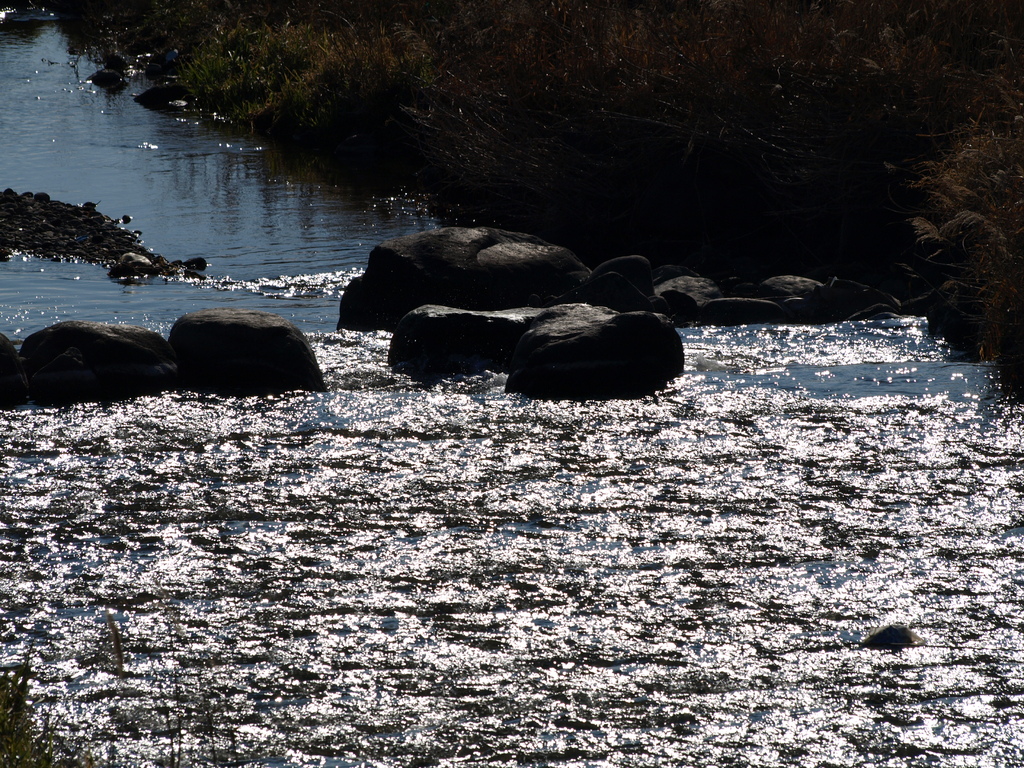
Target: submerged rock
{"type": "Point", "coordinates": [839, 300]}
{"type": "Point", "coordinates": [580, 352]}
{"type": "Point", "coordinates": [106, 78]}
{"type": "Point", "coordinates": [163, 96]}
{"type": "Point", "coordinates": [892, 636]}
{"type": "Point", "coordinates": [116, 62]}
{"type": "Point", "coordinates": [133, 264]}
{"type": "Point", "coordinates": [464, 268]}
{"type": "Point", "coordinates": [244, 351]}
{"type": "Point", "coordinates": [77, 361]}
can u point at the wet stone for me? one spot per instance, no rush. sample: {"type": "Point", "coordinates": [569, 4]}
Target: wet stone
{"type": "Point", "coordinates": [80, 361]}
{"type": "Point", "coordinates": [244, 351]}
{"type": "Point", "coordinates": [892, 636]}
{"type": "Point", "coordinates": [13, 383]}
{"type": "Point", "coordinates": [106, 78]}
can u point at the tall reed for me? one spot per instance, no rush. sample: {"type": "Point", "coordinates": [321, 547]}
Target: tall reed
{"type": "Point", "coordinates": [977, 211]}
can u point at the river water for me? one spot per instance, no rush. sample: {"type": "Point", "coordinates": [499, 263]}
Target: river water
{"type": "Point", "coordinates": [400, 573]}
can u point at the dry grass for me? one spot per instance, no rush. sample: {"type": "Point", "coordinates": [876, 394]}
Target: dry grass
{"type": "Point", "coordinates": [303, 78]}
{"type": "Point", "coordinates": [543, 104]}
{"type": "Point", "coordinates": [977, 211]}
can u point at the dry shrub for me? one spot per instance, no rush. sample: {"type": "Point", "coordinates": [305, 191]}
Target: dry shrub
{"type": "Point", "coordinates": [22, 745]}
{"type": "Point", "coordinates": [977, 210]}
{"type": "Point", "coordinates": [566, 110]}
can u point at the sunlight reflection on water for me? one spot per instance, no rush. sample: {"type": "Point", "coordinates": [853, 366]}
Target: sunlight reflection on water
{"type": "Point", "coordinates": [372, 574]}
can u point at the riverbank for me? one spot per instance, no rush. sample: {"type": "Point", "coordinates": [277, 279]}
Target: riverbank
{"type": "Point", "coordinates": [739, 139]}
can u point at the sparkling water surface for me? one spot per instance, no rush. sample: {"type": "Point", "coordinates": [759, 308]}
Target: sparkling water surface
{"type": "Point", "coordinates": [401, 572]}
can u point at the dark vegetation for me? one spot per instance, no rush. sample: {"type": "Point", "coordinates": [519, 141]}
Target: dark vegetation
{"type": "Point", "coordinates": [861, 138]}
{"type": "Point", "coordinates": [23, 744]}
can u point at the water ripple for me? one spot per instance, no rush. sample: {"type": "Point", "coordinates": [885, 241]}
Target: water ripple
{"type": "Point", "coordinates": [464, 576]}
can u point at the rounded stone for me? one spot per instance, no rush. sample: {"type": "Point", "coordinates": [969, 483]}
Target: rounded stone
{"type": "Point", "coordinates": [892, 636]}
{"type": "Point", "coordinates": [244, 351]}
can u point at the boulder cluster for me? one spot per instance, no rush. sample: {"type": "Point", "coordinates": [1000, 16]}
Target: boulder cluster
{"type": "Point", "coordinates": [234, 351]}
{"type": "Point", "coordinates": [458, 299]}
{"type": "Point", "coordinates": [516, 303]}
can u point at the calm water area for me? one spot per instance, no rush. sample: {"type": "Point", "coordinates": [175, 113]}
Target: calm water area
{"type": "Point", "coordinates": [408, 573]}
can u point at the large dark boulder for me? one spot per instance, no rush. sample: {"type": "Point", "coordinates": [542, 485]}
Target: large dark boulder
{"type": "Point", "coordinates": [580, 352]}
{"type": "Point", "coordinates": [244, 351]}
{"type": "Point", "coordinates": [681, 307]}
{"type": "Point", "coordinates": [13, 383]}
{"type": "Point", "coordinates": [782, 286]}
{"type": "Point", "coordinates": [636, 269]}
{"type": "Point", "coordinates": [466, 268]}
{"type": "Point", "coordinates": [67, 378]}
{"type": "Point", "coordinates": [77, 361]}
{"type": "Point", "coordinates": [437, 339]}
{"type": "Point", "coordinates": [666, 272]}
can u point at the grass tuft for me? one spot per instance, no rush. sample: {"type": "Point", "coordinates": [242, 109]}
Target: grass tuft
{"type": "Point", "coordinates": [21, 745]}
{"type": "Point", "coordinates": [328, 82]}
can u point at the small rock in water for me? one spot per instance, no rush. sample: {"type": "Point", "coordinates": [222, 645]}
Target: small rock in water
{"type": "Point", "coordinates": [161, 96]}
{"type": "Point", "coordinates": [106, 78]}
{"type": "Point", "coordinates": [133, 265]}
{"type": "Point", "coordinates": [116, 62]}
{"type": "Point", "coordinates": [892, 636]}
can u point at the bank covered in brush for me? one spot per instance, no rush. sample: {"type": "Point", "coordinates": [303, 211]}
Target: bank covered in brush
{"type": "Point", "coordinates": [740, 138]}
